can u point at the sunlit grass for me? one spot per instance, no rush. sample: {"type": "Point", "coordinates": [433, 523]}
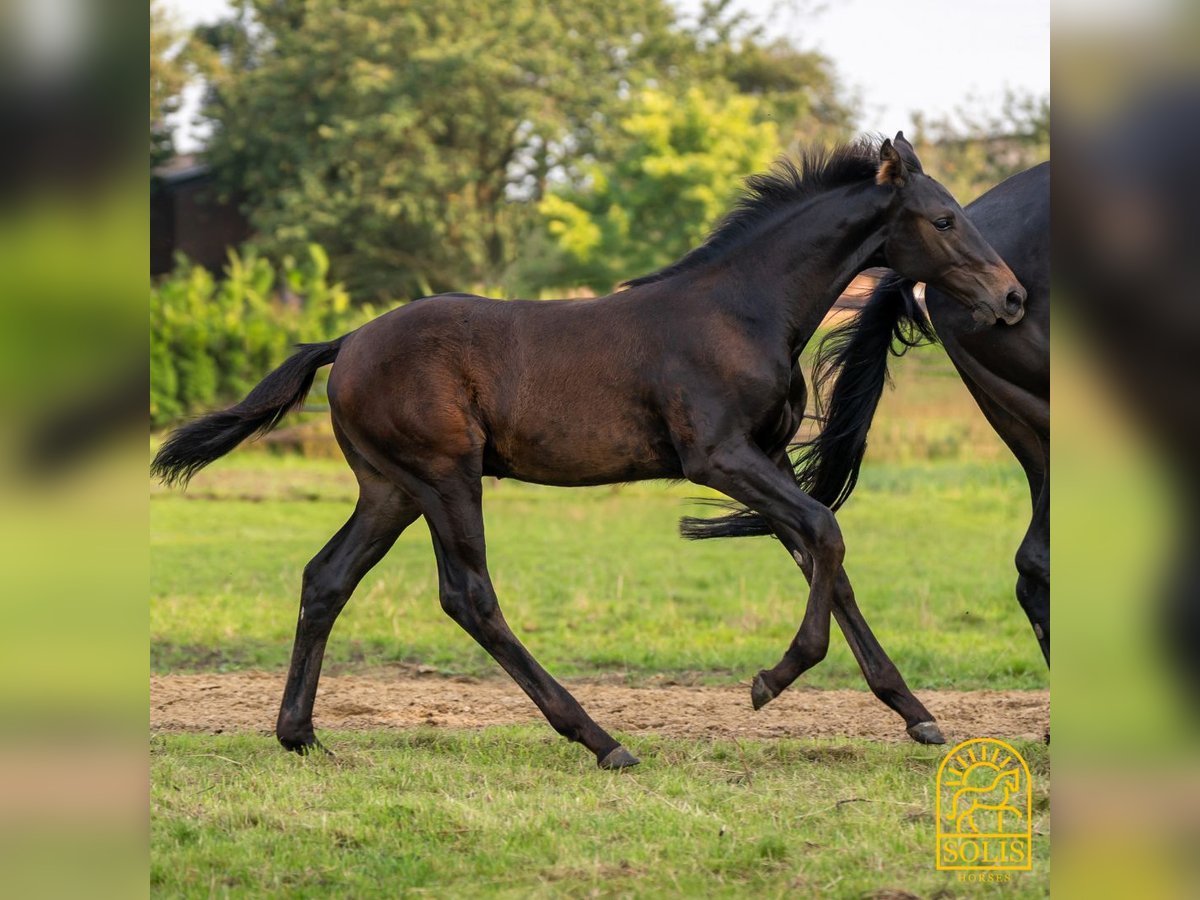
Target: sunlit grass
{"type": "Point", "coordinates": [515, 812]}
{"type": "Point", "coordinates": [597, 580]}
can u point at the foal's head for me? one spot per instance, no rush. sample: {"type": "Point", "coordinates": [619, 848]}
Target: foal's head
{"type": "Point", "coordinates": [930, 239]}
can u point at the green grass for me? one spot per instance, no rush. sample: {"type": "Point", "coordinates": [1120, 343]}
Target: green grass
{"type": "Point", "coordinates": [597, 580]}
{"type": "Point", "coordinates": [515, 812]}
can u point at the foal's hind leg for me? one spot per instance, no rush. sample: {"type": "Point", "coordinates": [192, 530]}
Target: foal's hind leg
{"type": "Point", "coordinates": [455, 517]}
{"type": "Point", "coordinates": [382, 513]}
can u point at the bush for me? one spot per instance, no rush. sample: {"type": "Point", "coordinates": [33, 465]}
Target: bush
{"type": "Point", "coordinates": [211, 341]}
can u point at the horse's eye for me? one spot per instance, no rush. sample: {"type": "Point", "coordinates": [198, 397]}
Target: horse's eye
{"type": "Point", "coordinates": [945, 223]}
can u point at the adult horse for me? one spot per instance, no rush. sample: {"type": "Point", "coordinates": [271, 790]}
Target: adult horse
{"type": "Point", "coordinates": [1006, 369]}
{"type": "Point", "coordinates": [690, 373]}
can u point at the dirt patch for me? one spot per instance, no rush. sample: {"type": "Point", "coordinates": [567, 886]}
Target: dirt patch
{"type": "Point", "coordinates": [249, 701]}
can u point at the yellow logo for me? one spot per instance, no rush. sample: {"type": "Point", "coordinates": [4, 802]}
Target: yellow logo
{"type": "Point", "coordinates": [984, 813]}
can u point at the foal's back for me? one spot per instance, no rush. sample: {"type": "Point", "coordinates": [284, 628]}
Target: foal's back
{"type": "Point", "coordinates": [566, 392]}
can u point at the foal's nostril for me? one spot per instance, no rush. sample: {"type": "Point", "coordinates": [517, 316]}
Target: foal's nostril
{"type": "Point", "coordinates": [1014, 301]}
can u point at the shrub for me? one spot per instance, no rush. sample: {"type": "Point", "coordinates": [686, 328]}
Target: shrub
{"type": "Point", "coordinates": [212, 340]}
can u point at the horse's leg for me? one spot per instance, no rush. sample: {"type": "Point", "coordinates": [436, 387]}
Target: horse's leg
{"type": "Point", "coordinates": [382, 513]}
{"type": "Point", "coordinates": [811, 642]}
{"type": "Point", "coordinates": [807, 528]}
{"type": "Point", "coordinates": [455, 516]}
{"type": "Point", "coordinates": [1033, 567]}
{"type": "Point", "coordinates": [880, 672]}
{"type": "Point", "coordinates": [744, 473]}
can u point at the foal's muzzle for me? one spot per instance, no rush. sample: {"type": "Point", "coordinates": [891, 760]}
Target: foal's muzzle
{"type": "Point", "coordinates": [1014, 305]}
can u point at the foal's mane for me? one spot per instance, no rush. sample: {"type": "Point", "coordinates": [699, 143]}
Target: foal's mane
{"type": "Point", "coordinates": [765, 194]}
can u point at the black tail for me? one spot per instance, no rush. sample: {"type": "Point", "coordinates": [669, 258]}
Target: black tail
{"type": "Point", "coordinates": [192, 447]}
{"type": "Point", "coordinates": [854, 360]}
{"type": "Point", "coordinates": [852, 367]}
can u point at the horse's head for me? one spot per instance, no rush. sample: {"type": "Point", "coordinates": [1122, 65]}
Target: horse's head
{"type": "Point", "coordinates": [930, 239]}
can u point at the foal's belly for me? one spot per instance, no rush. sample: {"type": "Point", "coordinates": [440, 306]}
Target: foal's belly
{"type": "Point", "coordinates": [579, 453]}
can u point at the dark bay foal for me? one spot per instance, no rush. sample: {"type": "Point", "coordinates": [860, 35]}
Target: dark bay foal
{"type": "Point", "coordinates": [688, 373]}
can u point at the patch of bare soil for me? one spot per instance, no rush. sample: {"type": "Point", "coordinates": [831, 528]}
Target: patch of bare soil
{"type": "Point", "coordinates": [249, 701]}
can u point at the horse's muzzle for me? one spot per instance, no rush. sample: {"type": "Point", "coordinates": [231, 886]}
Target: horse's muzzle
{"type": "Point", "coordinates": [1014, 306]}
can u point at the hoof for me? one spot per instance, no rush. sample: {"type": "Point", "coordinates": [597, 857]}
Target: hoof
{"type": "Point", "coordinates": [760, 694]}
{"type": "Point", "coordinates": [926, 733]}
{"type": "Point", "coordinates": [619, 759]}
{"type": "Point", "coordinates": [304, 746]}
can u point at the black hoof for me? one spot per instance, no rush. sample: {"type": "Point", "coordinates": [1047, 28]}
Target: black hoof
{"type": "Point", "coordinates": [304, 746]}
{"type": "Point", "coordinates": [926, 733]}
{"type": "Point", "coordinates": [760, 694]}
{"type": "Point", "coordinates": [618, 759]}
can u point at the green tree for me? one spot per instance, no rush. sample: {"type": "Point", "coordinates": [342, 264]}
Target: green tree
{"type": "Point", "coordinates": [798, 89]}
{"type": "Point", "coordinates": [167, 79]}
{"type": "Point", "coordinates": [175, 60]}
{"type": "Point", "coordinates": [415, 140]}
{"type": "Point", "coordinates": [409, 139]}
{"type": "Point", "coordinates": [211, 341]}
{"type": "Point", "coordinates": [675, 166]}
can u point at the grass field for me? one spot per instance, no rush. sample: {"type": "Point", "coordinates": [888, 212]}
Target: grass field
{"type": "Point", "coordinates": [511, 812]}
{"type": "Point", "coordinates": [594, 581]}
{"type": "Point", "coordinates": [597, 581]}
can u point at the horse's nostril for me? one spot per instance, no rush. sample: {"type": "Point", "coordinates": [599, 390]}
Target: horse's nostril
{"type": "Point", "coordinates": [1014, 301]}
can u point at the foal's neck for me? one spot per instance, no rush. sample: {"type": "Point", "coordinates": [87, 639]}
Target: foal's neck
{"type": "Point", "coordinates": [816, 251]}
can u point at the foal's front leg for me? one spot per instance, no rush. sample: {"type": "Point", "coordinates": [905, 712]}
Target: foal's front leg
{"type": "Point", "coordinates": [811, 534]}
{"type": "Point", "coordinates": [809, 530]}
{"type": "Point", "coordinates": [881, 674]}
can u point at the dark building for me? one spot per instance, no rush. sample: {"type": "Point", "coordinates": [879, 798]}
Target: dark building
{"type": "Point", "coordinates": [188, 216]}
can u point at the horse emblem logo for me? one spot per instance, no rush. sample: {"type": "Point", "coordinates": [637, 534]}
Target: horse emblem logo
{"type": "Point", "coordinates": [984, 813]}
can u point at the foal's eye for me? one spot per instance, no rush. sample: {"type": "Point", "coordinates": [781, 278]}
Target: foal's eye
{"type": "Point", "coordinates": [945, 223]}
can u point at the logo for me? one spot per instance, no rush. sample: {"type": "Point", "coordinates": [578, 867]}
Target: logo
{"type": "Point", "coordinates": [984, 813]}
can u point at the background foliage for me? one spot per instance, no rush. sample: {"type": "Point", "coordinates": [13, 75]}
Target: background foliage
{"type": "Point", "coordinates": [970, 152]}
{"type": "Point", "coordinates": [415, 142]}
{"type": "Point", "coordinates": [176, 58]}
{"type": "Point", "coordinates": [672, 167]}
{"type": "Point", "coordinates": [212, 340]}
{"type": "Point", "coordinates": [510, 147]}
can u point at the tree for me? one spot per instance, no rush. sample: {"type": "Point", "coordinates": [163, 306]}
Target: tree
{"type": "Point", "coordinates": [175, 59]}
{"type": "Point", "coordinates": [415, 140]}
{"type": "Point", "coordinates": [798, 89]}
{"type": "Point", "coordinates": [167, 79]}
{"type": "Point", "coordinates": [674, 167]}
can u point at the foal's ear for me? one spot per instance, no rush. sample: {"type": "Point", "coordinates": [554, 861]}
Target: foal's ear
{"type": "Point", "coordinates": [907, 153]}
{"type": "Point", "coordinates": [892, 171]}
